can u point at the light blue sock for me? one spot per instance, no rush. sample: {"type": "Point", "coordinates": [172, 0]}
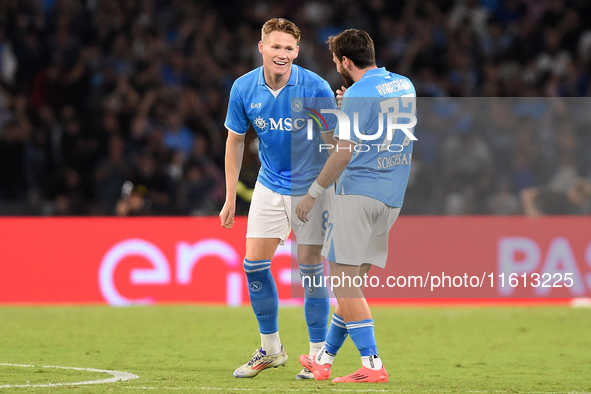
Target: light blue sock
{"type": "Point", "coordinates": [263, 294]}
{"type": "Point", "coordinates": [337, 333]}
{"type": "Point", "coordinates": [316, 301]}
{"type": "Point", "coordinates": [363, 337]}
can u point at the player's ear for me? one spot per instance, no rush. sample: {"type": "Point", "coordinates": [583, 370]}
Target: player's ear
{"type": "Point", "coordinates": [345, 62]}
{"type": "Point", "coordinates": [261, 46]}
{"type": "Point", "coordinates": [297, 50]}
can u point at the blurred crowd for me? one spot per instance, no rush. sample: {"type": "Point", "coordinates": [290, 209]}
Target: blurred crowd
{"type": "Point", "coordinates": [501, 156]}
{"type": "Point", "coordinates": [116, 107]}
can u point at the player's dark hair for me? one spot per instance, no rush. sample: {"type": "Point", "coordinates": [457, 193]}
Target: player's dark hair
{"type": "Point", "coordinates": [355, 44]}
{"type": "Point", "coordinates": [282, 25]}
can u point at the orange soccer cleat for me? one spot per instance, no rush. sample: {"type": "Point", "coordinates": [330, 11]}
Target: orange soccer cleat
{"type": "Point", "coordinates": [321, 372]}
{"type": "Point", "coordinates": [364, 375]}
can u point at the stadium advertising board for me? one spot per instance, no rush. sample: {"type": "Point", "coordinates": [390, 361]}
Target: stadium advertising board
{"type": "Point", "coordinates": [122, 261]}
{"type": "Point", "coordinates": [488, 257]}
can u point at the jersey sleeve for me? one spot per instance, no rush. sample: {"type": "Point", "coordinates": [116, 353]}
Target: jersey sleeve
{"type": "Point", "coordinates": [236, 118]}
{"type": "Point", "coordinates": [329, 102]}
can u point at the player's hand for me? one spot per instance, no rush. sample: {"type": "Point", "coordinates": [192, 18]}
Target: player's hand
{"type": "Point", "coordinates": [227, 214]}
{"type": "Point", "coordinates": [339, 97]}
{"type": "Point", "coordinates": [304, 207]}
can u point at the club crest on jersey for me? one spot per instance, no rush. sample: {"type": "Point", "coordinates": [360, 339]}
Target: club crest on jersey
{"type": "Point", "coordinates": [260, 123]}
{"type": "Point", "coordinates": [296, 105]}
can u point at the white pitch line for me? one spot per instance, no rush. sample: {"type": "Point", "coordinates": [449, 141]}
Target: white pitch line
{"type": "Point", "coordinates": [259, 389]}
{"type": "Point", "coordinates": [391, 390]}
{"type": "Point", "coordinates": [118, 376]}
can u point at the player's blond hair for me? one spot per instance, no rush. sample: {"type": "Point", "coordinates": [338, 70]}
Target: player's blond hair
{"type": "Point", "coordinates": [282, 25]}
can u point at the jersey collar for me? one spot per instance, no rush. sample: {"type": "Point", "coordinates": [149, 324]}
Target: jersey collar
{"type": "Point", "coordinates": [293, 78]}
{"type": "Point", "coordinates": [374, 72]}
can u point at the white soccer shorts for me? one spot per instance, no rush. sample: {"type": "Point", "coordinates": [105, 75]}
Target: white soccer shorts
{"type": "Point", "coordinates": [272, 215]}
{"type": "Point", "coordinates": [358, 231]}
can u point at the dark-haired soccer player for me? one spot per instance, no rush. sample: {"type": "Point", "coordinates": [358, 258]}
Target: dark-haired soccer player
{"type": "Point", "coordinates": [289, 164]}
{"type": "Point", "coordinates": [373, 174]}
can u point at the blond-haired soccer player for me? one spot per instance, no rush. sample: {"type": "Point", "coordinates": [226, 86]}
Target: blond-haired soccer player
{"type": "Point", "coordinates": [289, 164]}
{"type": "Point", "coordinates": [370, 191]}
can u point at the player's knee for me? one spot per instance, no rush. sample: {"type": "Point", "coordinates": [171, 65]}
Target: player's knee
{"type": "Point", "coordinates": [364, 269]}
{"type": "Point", "coordinates": [309, 254]}
{"type": "Point", "coordinates": [337, 269]}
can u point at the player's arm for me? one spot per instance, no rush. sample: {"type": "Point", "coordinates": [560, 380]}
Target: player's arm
{"type": "Point", "coordinates": [334, 166]}
{"type": "Point", "coordinates": [323, 94]}
{"type": "Point", "coordinates": [328, 137]}
{"type": "Point", "coordinates": [328, 140]}
{"type": "Point", "coordinates": [233, 163]}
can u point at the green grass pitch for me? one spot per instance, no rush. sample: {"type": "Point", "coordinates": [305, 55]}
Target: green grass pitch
{"type": "Point", "coordinates": [196, 349]}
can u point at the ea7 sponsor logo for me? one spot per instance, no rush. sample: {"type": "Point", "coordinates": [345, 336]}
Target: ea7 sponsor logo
{"type": "Point", "coordinates": [255, 105]}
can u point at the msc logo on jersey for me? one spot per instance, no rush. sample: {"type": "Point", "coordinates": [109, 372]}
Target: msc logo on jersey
{"type": "Point", "coordinates": [283, 124]}
{"type": "Point", "coordinates": [260, 123]}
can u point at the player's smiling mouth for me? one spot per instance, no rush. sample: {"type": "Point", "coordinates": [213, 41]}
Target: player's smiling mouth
{"type": "Point", "coordinates": [279, 63]}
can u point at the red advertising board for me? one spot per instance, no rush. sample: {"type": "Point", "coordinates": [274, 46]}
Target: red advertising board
{"type": "Point", "coordinates": [488, 257]}
{"type": "Point", "coordinates": [122, 261]}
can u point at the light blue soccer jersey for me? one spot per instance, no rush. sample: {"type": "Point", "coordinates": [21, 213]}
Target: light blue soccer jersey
{"type": "Point", "coordinates": [289, 161]}
{"type": "Point", "coordinates": [379, 168]}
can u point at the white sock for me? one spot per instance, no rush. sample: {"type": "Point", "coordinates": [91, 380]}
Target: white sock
{"type": "Point", "coordinates": [270, 343]}
{"type": "Point", "coordinates": [372, 362]}
{"type": "Point", "coordinates": [315, 348]}
{"type": "Point", "coordinates": [324, 357]}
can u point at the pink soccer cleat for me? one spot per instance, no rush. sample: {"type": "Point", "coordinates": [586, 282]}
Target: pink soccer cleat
{"type": "Point", "coordinates": [364, 375]}
{"type": "Point", "coordinates": [320, 371]}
